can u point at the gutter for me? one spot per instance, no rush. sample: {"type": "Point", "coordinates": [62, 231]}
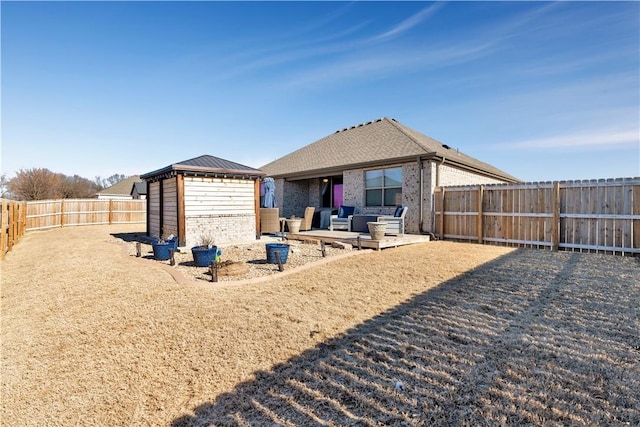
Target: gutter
{"type": "Point", "coordinates": [170, 172]}
{"type": "Point", "coordinates": [338, 170]}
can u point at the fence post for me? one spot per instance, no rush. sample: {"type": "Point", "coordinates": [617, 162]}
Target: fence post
{"type": "Point", "coordinates": [635, 228]}
{"type": "Point", "coordinates": [61, 212]}
{"type": "Point", "coordinates": [12, 225]}
{"type": "Point", "coordinates": [442, 209]}
{"type": "Point", "coordinates": [110, 211]}
{"type": "Point", "coordinates": [214, 269]}
{"type": "Point", "coordinates": [555, 238]}
{"type": "Point", "coordinates": [5, 229]}
{"type": "Point", "coordinates": [279, 259]}
{"type": "Point", "coordinates": [480, 219]}
{"type": "Point", "coordinates": [18, 221]}
{"type": "Point", "coordinates": [23, 218]}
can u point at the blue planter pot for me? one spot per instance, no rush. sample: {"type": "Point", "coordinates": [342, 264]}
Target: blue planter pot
{"type": "Point", "coordinates": [161, 250]}
{"type": "Point", "coordinates": [273, 248]}
{"type": "Point", "coordinates": [203, 256]}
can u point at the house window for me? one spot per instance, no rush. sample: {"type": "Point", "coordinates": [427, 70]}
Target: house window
{"type": "Point", "coordinates": [383, 187]}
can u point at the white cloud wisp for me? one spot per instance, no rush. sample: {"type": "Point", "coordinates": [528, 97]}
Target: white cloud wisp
{"type": "Point", "coordinates": [602, 140]}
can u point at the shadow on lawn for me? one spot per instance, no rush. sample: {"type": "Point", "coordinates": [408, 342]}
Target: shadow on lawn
{"type": "Point", "coordinates": [534, 337]}
{"type": "Point", "coordinates": [133, 237]}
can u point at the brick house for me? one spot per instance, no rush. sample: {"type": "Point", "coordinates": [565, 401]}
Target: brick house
{"type": "Point", "coordinates": [375, 166]}
{"type": "Point", "coordinates": [203, 196]}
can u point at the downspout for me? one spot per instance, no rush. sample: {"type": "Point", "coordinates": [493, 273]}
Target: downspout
{"type": "Point", "coordinates": [433, 202]}
{"type": "Point", "coordinates": [438, 171]}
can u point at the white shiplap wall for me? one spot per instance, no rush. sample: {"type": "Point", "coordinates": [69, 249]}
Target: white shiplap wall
{"type": "Point", "coordinates": [222, 208]}
{"type": "Point", "coordinates": [218, 196]}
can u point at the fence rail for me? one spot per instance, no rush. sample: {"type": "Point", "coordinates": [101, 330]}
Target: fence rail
{"type": "Point", "coordinates": [12, 220]}
{"type": "Point", "coordinates": [596, 215]}
{"type": "Point", "coordinates": [18, 217]}
{"type": "Point", "coordinates": [44, 214]}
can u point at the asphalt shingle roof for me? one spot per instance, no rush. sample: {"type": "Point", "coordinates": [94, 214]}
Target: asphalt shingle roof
{"type": "Point", "coordinates": [120, 188]}
{"type": "Point", "coordinates": [373, 143]}
{"type": "Point", "coordinates": [140, 187]}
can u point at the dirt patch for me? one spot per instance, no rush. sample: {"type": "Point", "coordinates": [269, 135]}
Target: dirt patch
{"type": "Point", "coordinates": [432, 334]}
{"type": "Point", "coordinates": [233, 269]}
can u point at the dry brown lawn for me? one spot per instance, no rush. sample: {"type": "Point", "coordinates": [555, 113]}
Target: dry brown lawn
{"type": "Point", "coordinates": [432, 334]}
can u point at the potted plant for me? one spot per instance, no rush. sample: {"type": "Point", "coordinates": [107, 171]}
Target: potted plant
{"type": "Point", "coordinates": [205, 253]}
{"type": "Point", "coordinates": [162, 247]}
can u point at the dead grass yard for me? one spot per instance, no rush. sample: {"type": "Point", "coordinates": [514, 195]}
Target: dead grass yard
{"type": "Point", "coordinates": [432, 334]}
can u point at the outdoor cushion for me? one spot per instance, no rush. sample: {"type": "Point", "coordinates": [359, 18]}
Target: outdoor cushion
{"type": "Point", "coordinates": [395, 224]}
{"type": "Point", "coordinates": [345, 211]}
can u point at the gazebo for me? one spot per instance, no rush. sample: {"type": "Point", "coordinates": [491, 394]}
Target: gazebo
{"type": "Point", "coordinates": [203, 197]}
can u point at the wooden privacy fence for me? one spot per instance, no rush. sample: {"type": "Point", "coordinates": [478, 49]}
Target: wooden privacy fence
{"type": "Point", "coordinates": [43, 214]}
{"type": "Point", "coordinates": [13, 220]}
{"type": "Point", "coordinates": [596, 215]}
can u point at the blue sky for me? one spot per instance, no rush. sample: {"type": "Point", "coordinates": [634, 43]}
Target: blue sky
{"type": "Point", "coordinates": [544, 91]}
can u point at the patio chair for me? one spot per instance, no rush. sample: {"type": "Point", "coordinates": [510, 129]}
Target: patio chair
{"type": "Point", "coordinates": [395, 223]}
{"type": "Point", "coordinates": [342, 221]}
{"type": "Point", "coordinates": [269, 220]}
{"type": "Point", "coordinates": [308, 218]}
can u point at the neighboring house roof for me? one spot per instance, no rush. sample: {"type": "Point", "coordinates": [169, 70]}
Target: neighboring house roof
{"type": "Point", "coordinates": [205, 166]}
{"type": "Point", "coordinates": [122, 188]}
{"type": "Point", "coordinates": [140, 187]}
{"type": "Point", "coordinates": [375, 143]}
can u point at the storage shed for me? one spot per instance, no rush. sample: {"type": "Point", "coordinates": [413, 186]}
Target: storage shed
{"type": "Point", "coordinates": [201, 197]}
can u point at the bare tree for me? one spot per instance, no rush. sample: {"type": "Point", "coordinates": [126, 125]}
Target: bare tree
{"type": "Point", "coordinates": [78, 187]}
{"type": "Point", "coordinates": [40, 184]}
{"type": "Point", "coordinates": [34, 184]}
{"type": "Point", "coordinates": [112, 180]}
{"type": "Point", "coordinates": [4, 189]}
